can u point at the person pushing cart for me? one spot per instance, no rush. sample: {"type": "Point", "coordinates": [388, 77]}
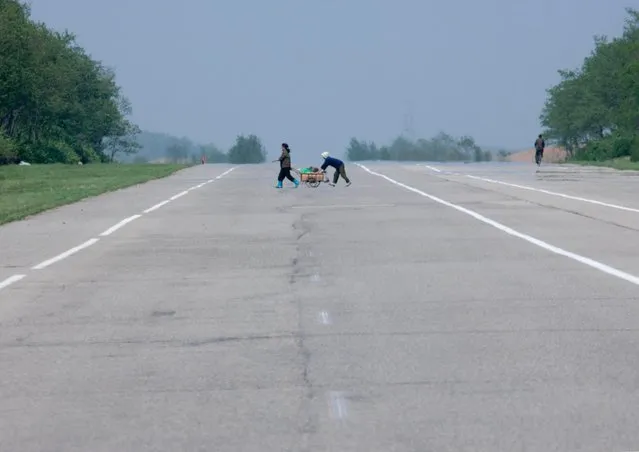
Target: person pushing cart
{"type": "Point", "coordinates": [340, 168]}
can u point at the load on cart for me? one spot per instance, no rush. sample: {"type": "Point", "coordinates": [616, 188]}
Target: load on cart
{"type": "Point", "coordinates": [312, 176]}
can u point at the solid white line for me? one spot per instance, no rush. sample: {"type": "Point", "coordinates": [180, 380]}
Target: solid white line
{"type": "Point", "coordinates": [112, 229]}
{"type": "Point", "coordinates": [582, 259]}
{"type": "Point", "coordinates": [157, 206]}
{"type": "Point", "coordinates": [64, 255]}
{"type": "Point", "coordinates": [433, 168]}
{"type": "Point", "coordinates": [10, 280]}
{"type": "Point", "coordinates": [562, 195]}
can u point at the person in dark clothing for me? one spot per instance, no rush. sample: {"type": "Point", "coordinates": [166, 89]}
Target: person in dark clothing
{"type": "Point", "coordinates": [340, 168]}
{"type": "Point", "coordinates": [540, 144]}
{"type": "Point", "coordinates": [285, 167]}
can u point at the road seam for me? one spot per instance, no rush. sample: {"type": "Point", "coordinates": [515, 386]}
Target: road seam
{"type": "Point", "coordinates": [547, 246]}
{"type": "Point", "coordinates": [44, 264]}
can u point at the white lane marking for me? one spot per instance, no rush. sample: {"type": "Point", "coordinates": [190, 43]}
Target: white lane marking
{"type": "Point", "coordinates": [225, 173]}
{"type": "Point", "coordinates": [109, 231]}
{"type": "Point", "coordinates": [324, 318]}
{"type": "Point", "coordinates": [562, 195]}
{"type": "Point", "coordinates": [64, 255]}
{"type": "Point", "coordinates": [547, 246]}
{"type": "Point", "coordinates": [114, 228]}
{"type": "Point", "coordinates": [179, 195]}
{"type": "Point", "coordinates": [10, 280]}
{"type": "Point", "coordinates": [433, 168]}
{"type": "Point", "coordinates": [337, 405]}
{"type": "Point", "coordinates": [157, 206]}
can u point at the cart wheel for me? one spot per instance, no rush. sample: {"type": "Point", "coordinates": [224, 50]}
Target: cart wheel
{"type": "Point", "coordinates": [314, 183]}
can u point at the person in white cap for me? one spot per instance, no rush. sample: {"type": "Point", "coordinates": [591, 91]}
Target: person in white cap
{"type": "Point", "coordinates": [340, 168]}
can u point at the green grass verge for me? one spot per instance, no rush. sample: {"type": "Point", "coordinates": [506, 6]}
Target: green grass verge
{"type": "Point", "coordinates": [622, 164]}
{"type": "Point", "coordinates": [28, 190]}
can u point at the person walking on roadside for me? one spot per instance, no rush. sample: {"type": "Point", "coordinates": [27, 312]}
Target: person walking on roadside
{"type": "Point", "coordinates": [540, 144]}
{"type": "Point", "coordinates": [285, 167]}
{"type": "Point", "coordinates": [340, 168]}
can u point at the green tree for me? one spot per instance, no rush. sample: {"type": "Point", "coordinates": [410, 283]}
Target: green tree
{"type": "Point", "coordinates": [442, 147]}
{"type": "Point", "coordinates": [593, 112]}
{"type": "Point", "coordinates": [177, 153]}
{"type": "Point", "coordinates": [247, 149]}
{"type": "Point", "coordinates": [124, 141]}
{"type": "Point", "coordinates": [213, 154]}
{"type": "Point", "coordinates": [361, 150]}
{"type": "Point", "coordinates": [56, 103]}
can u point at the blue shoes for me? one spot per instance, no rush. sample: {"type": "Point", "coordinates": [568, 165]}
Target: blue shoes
{"type": "Point", "coordinates": [296, 182]}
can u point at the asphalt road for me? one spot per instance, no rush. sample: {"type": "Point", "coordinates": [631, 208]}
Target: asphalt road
{"type": "Point", "coordinates": [419, 309]}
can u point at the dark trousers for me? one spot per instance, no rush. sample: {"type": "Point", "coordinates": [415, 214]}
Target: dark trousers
{"type": "Point", "coordinates": [285, 173]}
{"type": "Point", "coordinates": [340, 172]}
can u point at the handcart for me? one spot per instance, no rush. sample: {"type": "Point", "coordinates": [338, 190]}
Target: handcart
{"type": "Point", "coordinates": [311, 177]}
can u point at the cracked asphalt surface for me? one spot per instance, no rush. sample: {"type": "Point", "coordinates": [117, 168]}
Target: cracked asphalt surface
{"type": "Point", "coordinates": [367, 318]}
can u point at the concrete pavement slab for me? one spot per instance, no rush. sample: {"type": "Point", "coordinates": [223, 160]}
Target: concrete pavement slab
{"type": "Point", "coordinates": [329, 319]}
{"type": "Point", "coordinates": [597, 232]}
{"type": "Point", "coordinates": [27, 242]}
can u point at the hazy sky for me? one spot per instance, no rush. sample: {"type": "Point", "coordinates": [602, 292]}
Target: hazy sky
{"type": "Point", "coordinates": [316, 72]}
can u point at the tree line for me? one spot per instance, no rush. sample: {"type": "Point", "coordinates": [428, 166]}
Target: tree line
{"type": "Point", "coordinates": [440, 148]}
{"type": "Point", "coordinates": [58, 105]}
{"type": "Point", "coordinates": [593, 112]}
{"type": "Point", "coordinates": [246, 149]}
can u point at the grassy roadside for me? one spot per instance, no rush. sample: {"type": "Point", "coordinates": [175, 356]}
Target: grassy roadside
{"type": "Point", "coordinates": [622, 164]}
{"type": "Point", "coordinates": [28, 190]}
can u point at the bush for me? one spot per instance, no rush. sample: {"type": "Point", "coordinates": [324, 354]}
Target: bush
{"type": "Point", "coordinates": [8, 151]}
{"type": "Point", "coordinates": [87, 154]}
{"type": "Point", "coordinates": [595, 151]}
{"type": "Point", "coordinates": [50, 152]}
{"type": "Point", "coordinates": [622, 146]}
{"type": "Point", "coordinates": [634, 152]}
{"type": "Point", "coordinates": [609, 148]}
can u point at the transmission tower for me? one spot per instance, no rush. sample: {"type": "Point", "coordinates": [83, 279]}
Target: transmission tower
{"type": "Point", "coordinates": [408, 129]}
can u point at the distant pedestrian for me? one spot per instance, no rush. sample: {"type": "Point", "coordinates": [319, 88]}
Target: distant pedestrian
{"type": "Point", "coordinates": [540, 144]}
{"type": "Point", "coordinates": [285, 167]}
{"type": "Point", "coordinates": [340, 168]}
